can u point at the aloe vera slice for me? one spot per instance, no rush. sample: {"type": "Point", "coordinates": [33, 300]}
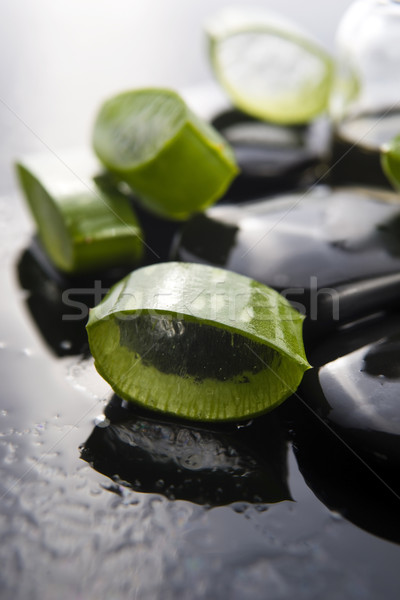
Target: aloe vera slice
{"type": "Point", "coordinates": [268, 66]}
{"type": "Point", "coordinates": [176, 163]}
{"type": "Point", "coordinates": [198, 342]}
{"type": "Point", "coordinates": [84, 222]}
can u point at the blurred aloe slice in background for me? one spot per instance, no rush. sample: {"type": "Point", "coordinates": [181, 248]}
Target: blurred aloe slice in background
{"type": "Point", "coordinates": [175, 162]}
{"type": "Point", "coordinates": [84, 222]}
{"type": "Point", "coordinates": [268, 66]}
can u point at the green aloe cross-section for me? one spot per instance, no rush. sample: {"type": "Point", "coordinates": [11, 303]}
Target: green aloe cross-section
{"type": "Point", "coordinates": [198, 342]}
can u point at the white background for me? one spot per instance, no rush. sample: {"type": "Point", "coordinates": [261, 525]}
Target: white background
{"type": "Point", "coordinates": [60, 58]}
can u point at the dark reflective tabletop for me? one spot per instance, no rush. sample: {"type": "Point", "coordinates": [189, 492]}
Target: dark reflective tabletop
{"type": "Point", "coordinates": [98, 497]}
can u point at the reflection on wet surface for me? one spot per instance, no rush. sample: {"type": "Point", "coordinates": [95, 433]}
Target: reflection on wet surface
{"type": "Point", "coordinates": [186, 461]}
{"type": "Point", "coordinates": [46, 305]}
{"type": "Point", "coordinates": [361, 492]}
{"type": "Point", "coordinates": [357, 392]}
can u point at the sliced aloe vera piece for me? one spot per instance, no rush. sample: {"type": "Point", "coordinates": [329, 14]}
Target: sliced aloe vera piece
{"type": "Point", "coordinates": [198, 342]}
{"type": "Point", "coordinates": [83, 221]}
{"type": "Point", "coordinates": [176, 163]}
{"type": "Point", "coordinates": [268, 66]}
{"type": "Point", "coordinates": [390, 160]}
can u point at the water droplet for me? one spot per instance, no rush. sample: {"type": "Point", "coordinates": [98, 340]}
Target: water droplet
{"type": "Point", "coordinates": [244, 424]}
{"type": "Point", "coordinates": [240, 508]}
{"type": "Point", "coordinates": [336, 516]}
{"type": "Point", "coordinates": [101, 421]}
{"type": "Point", "coordinates": [192, 461]}
{"type": "Point", "coordinates": [246, 315]}
{"type": "Point", "coordinates": [66, 345]}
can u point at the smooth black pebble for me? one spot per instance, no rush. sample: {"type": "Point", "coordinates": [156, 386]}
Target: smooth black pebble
{"type": "Point", "coordinates": [334, 253]}
{"type": "Point", "coordinates": [355, 388]}
{"type": "Point", "coordinates": [272, 157]}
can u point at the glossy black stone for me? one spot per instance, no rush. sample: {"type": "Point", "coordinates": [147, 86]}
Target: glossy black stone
{"type": "Point", "coordinates": [356, 149]}
{"type": "Point", "coordinates": [341, 479]}
{"type": "Point", "coordinates": [355, 389]}
{"type": "Point", "coordinates": [158, 234]}
{"type": "Point", "coordinates": [272, 157]}
{"type": "Point", "coordinates": [213, 466]}
{"type": "Point", "coordinates": [62, 327]}
{"type": "Point", "coordinates": [355, 164]}
{"type": "Point", "coordinates": [334, 253]}
{"type": "Point", "coordinates": [59, 304]}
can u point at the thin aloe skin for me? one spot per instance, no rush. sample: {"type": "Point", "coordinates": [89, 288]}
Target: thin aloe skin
{"type": "Point", "coordinates": [198, 342]}
{"type": "Point", "coordinates": [84, 222]}
{"type": "Point", "coordinates": [176, 163]}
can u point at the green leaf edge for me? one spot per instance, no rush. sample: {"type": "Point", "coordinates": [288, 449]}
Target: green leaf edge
{"type": "Point", "coordinates": [302, 40]}
{"type": "Point", "coordinates": [390, 161]}
{"type": "Point", "coordinates": [96, 314]}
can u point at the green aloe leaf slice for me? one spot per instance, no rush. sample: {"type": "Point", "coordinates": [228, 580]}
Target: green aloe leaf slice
{"type": "Point", "coordinates": [390, 160]}
{"type": "Point", "coordinates": [84, 222]}
{"type": "Point", "coordinates": [269, 67]}
{"type": "Point", "coordinates": [198, 342]}
{"type": "Point", "coordinates": [176, 163]}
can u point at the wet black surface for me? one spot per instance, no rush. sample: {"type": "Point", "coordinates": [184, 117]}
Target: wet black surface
{"type": "Point", "coordinates": [366, 494]}
{"type": "Point", "coordinates": [211, 466]}
{"type": "Point", "coordinates": [357, 392]}
{"type": "Point", "coordinates": [70, 532]}
{"type": "Point", "coordinates": [169, 509]}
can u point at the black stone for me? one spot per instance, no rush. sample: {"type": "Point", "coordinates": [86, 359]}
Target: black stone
{"type": "Point", "coordinates": [355, 389]}
{"type": "Point", "coordinates": [341, 478]}
{"type": "Point", "coordinates": [272, 157]}
{"type": "Point", "coordinates": [334, 253]}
